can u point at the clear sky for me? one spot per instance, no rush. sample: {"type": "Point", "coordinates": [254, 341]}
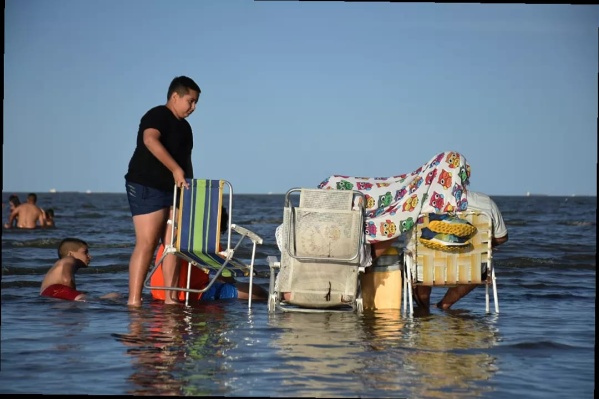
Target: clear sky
{"type": "Point", "coordinates": [293, 92]}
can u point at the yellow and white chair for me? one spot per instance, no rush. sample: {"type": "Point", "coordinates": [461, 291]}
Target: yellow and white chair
{"type": "Point", "coordinates": [451, 266]}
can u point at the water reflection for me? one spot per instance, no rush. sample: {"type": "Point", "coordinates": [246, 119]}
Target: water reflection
{"type": "Point", "coordinates": [71, 321]}
{"type": "Point", "coordinates": [204, 350]}
{"type": "Point", "coordinates": [432, 356]}
{"type": "Point", "coordinates": [207, 346]}
{"type": "Point", "coordinates": [319, 353]}
{"type": "Point", "coordinates": [168, 344]}
{"type": "Point", "coordinates": [155, 343]}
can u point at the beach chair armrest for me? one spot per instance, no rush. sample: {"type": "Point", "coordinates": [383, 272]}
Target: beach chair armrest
{"type": "Point", "coordinates": [273, 261]}
{"type": "Point", "coordinates": [245, 232]}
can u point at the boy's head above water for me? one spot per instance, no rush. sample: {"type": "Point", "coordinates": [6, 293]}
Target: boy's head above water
{"type": "Point", "coordinates": [76, 248]}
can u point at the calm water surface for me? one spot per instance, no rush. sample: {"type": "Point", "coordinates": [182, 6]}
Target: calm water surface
{"type": "Point", "coordinates": [541, 345]}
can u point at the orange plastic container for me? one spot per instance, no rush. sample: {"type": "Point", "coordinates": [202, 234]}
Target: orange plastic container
{"type": "Point", "coordinates": [199, 279]}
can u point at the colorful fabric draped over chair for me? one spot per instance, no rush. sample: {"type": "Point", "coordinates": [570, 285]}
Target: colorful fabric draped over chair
{"type": "Point", "coordinates": [394, 203]}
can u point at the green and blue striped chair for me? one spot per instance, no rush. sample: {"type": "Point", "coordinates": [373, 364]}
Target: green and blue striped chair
{"type": "Point", "coordinates": [196, 234]}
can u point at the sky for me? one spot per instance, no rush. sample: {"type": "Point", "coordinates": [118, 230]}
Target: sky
{"type": "Point", "coordinates": [293, 92]}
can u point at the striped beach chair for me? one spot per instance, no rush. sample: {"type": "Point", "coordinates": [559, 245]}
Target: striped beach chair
{"type": "Point", "coordinates": [196, 235]}
{"type": "Point", "coordinates": [471, 263]}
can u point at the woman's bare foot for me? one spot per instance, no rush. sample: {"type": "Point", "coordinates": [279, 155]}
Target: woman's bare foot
{"type": "Point", "coordinates": [171, 301]}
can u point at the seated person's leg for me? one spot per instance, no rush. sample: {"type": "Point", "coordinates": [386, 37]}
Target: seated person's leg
{"type": "Point", "coordinates": [454, 294]}
{"type": "Point", "coordinates": [243, 291]}
{"type": "Point", "coordinates": [422, 296]}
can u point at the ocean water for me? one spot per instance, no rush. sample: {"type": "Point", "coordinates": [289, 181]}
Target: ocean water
{"type": "Point", "coordinates": [540, 345]}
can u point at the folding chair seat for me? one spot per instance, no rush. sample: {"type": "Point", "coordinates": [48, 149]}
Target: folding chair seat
{"type": "Point", "coordinates": [429, 262]}
{"type": "Point", "coordinates": [321, 244]}
{"type": "Point", "coordinates": [196, 234]}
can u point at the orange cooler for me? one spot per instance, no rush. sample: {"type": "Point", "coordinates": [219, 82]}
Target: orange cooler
{"type": "Point", "coordinates": [199, 279]}
{"type": "Point", "coordinates": [382, 283]}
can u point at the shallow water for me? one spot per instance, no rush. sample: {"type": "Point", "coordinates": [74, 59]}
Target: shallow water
{"type": "Point", "coordinates": [540, 345]}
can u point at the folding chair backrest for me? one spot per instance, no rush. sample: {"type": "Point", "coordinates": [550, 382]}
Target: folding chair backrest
{"type": "Point", "coordinates": [436, 267]}
{"type": "Point", "coordinates": [322, 238]}
{"type": "Point", "coordinates": [340, 200]}
{"type": "Point", "coordinates": [199, 220]}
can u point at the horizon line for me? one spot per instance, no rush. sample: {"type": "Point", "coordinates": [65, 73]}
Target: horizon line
{"type": "Point", "coordinates": [54, 191]}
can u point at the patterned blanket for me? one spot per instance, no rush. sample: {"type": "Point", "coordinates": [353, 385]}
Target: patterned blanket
{"type": "Point", "coordinates": [394, 203]}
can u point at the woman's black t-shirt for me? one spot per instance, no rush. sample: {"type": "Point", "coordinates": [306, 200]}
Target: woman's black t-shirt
{"type": "Point", "coordinates": [175, 135]}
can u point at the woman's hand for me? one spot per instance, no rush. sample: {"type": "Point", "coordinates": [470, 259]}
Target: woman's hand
{"type": "Point", "coordinates": [179, 177]}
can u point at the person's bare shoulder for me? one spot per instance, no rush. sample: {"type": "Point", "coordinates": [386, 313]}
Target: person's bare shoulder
{"type": "Point", "coordinates": [53, 275]}
{"type": "Point", "coordinates": [62, 272]}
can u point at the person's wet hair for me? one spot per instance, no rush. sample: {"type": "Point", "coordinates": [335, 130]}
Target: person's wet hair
{"type": "Point", "coordinates": [70, 244]}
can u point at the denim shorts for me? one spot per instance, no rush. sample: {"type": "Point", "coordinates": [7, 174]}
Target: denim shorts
{"type": "Point", "coordinates": [144, 199]}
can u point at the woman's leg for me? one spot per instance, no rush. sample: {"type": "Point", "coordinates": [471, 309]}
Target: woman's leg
{"type": "Point", "coordinates": [148, 229]}
{"type": "Point", "coordinates": [171, 266]}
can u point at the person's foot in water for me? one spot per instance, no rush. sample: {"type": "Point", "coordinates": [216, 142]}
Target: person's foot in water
{"type": "Point", "coordinates": [454, 294]}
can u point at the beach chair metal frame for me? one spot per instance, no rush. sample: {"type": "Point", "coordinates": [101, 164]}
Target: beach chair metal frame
{"type": "Point", "coordinates": [434, 267]}
{"type": "Point", "coordinates": [195, 235]}
{"type": "Point", "coordinates": [323, 235]}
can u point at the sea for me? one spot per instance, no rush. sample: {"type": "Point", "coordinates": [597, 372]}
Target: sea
{"type": "Point", "coordinates": [541, 344]}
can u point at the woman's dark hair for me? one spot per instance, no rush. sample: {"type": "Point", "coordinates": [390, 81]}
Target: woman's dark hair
{"type": "Point", "coordinates": [14, 200]}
